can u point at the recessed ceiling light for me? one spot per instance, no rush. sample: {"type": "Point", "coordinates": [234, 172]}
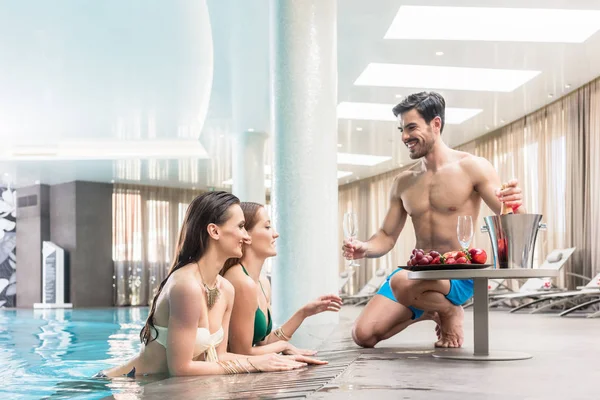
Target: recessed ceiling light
{"type": "Point", "coordinates": [398, 96]}
{"type": "Point", "coordinates": [358, 177]}
{"type": "Point", "coordinates": [112, 181]}
{"type": "Point", "coordinates": [360, 159]}
{"type": "Point", "coordinates": [487, 128]}
{"type": "Point", "coordinates": [440, 77]}
{"type": "Point", "coordinates": [550, 95]}
{"type": "Point", "coordinates": [359, 129]}
{"type": "Point", "coordinates": [383, 112]}
{"type": "Point", "coordinates": [221, 135]}
{"type": "Point", "coordinates": [501, 121]}
{"type": "Point", "coordinates": [339, 145]}
{"type": "Point", "coordinates": [567, 86]}
{"type": "Point", "coordinates": [439, 53]}
{"type": "Point", "coordinates": [37, 182]}
{"type": "Point", "coordinates": [250, 129]}
{"type": "Point", "coordinates": [489, 24]}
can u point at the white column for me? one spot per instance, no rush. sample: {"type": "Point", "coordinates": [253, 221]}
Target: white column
{"type": "Point", "coordinates": [249, 71]}
{"type": "Point", "coordinates": [304, 194]}
{"type": "Point", "coordinates": [249, 166]}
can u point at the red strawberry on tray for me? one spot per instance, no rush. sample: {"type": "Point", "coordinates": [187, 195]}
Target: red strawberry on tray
{"type": "Point", "coordinates": [478, 256]}
{"type": "Point", "coordinates": [422, 260]}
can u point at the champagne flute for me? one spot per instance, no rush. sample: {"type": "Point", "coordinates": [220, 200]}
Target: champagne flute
{"type": "Point", "coordinates": [464, 231]}
{"type": "Point", "coordinates": [350, 233]}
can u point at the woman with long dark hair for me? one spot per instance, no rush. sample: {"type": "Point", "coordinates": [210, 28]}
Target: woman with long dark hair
{"type": "Point", "coordinates": [186, 332]}
{"type": "Point", "coordinates": [251, 325]}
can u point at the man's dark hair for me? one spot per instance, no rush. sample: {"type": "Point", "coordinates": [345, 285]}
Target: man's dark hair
{"type": "Point", "coordinates": [428, 104]}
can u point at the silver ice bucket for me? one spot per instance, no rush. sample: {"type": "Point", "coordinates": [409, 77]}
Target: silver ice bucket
{"type": "Point", "coordinates": [513, 238]}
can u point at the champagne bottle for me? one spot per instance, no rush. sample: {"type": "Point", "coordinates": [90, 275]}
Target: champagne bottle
{"type": "Point", "coordinates": [504, 210]}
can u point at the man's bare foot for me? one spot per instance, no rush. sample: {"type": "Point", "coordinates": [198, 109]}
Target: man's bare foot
{"type": "Point", "coordinates": [433, 316]}
{"type": "Point", "coordinates": [451, 327]}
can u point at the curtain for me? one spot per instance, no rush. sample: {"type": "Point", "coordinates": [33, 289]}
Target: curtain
{"type": "Point", "coordinates": [370, 199]}
{"type": "Point", "coordinates": [553, 152]}
{"type": "Point", "coordinates": [146, 223]}
{"type": "Point", "coordinates": [592, 265]}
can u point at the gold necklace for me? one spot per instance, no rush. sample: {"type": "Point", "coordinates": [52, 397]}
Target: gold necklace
{"type": "Point", "coordinates": [212, 294]}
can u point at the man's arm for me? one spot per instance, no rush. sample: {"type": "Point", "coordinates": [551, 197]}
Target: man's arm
{"type": "Point", "coordinates": [385, 238]}
{"type": "Point", "coordinates": [487, 183]}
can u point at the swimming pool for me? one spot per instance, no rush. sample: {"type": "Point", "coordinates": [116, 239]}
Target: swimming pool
{"type": "Point", "coordinates": [53, 353]}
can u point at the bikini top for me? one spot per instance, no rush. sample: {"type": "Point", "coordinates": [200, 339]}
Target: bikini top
{"type": "Point", "coordinates": [205, 342]}
{"type": "Point", "coordinates": [262, 323]}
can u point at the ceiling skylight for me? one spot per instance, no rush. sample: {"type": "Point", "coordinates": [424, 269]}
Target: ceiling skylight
{"type": "Point", "coordinates": [494, 24]}
{"type": "Point", "coordinates": [383, 112]}
{"type": "Point", "coordinates": [436, 77]}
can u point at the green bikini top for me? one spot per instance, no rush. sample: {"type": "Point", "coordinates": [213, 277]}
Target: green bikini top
{"type": "Point", "coordinates": [262, 324]}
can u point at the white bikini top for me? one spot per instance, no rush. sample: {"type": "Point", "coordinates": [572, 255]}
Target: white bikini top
{"type": "Point", "coordinates": [205, 342]}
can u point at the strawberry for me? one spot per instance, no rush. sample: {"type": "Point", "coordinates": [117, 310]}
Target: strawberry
{"type": "Point", "coordinates": [478, 256]}
{"type": "Point", "coordinates": [461, 260]}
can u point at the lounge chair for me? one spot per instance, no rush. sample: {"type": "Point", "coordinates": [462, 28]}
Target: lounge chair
{"type": "Point", "coordinates": [343, 280]}
{"type": "Point", "coordinates": [590, 293]}
{"type": "Point", "coordinates": [533, 288]}
{"type": "Point", "coordinates": [370, 288]}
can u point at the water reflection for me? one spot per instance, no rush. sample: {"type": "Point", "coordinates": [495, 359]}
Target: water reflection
{"type": "Point", "coordinates": [128, 170]}
{"type": "Point", "coordinates": [158, 170]}
{"type": "Point", "coordinates": [53, 353]}
{"type": "Point", "coordinates": [54, 336]}
{"type": "Point", "coordinates": [188, 170]}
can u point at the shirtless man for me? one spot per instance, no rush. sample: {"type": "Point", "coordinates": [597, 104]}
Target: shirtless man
{"type": "Point", "coordinates": [442, 185]}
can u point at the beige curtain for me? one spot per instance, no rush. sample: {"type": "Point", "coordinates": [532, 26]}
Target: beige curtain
{"type": "Point", "coordinates": [369, 199]}
{"type": "Point", "coordinates": [553, 152]}
{"type": "Point", "coordinates": [533, 151]}
{"type": "Point", "coordinates": [581, 110]}
{"type": "Point", "coordinates": [593, 266]}
{"type": "Point", "coordinates": [146, 222]}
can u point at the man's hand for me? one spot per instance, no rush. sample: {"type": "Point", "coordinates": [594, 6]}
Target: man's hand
{"type": "Point", "coordinates": [511, 195]}
{"type": "Point", "coordinates": [354, 249]}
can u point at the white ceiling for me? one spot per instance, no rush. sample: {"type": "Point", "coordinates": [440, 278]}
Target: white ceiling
{"type": "Point", "coordinates": [178, 72]}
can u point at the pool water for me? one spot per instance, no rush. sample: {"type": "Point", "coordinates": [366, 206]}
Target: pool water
{"type": "Point", "coordinates": [51, 354]}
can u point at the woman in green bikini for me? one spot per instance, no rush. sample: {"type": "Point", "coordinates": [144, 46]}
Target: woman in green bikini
{"type": "Point", "coordinates": [251, 327]}
{"type": "Point", "coordinates": [187, 329]}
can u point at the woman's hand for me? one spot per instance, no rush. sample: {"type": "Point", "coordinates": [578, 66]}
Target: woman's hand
{"type": "Point", "coordinates": [275, 362]}
{"type": "Point", "coordinates": [330, 302]}
{"type": "Point", "coordinates": [308, 360]}
{"type": "Point", "coordinates": [293, 350]}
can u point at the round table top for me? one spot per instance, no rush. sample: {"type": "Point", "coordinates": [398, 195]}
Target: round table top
{"type": "Point", "coordinates": [491, 273]}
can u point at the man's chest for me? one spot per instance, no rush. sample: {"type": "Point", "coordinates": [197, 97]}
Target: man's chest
{"type": "Point", "coordinates": [445, 191]}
